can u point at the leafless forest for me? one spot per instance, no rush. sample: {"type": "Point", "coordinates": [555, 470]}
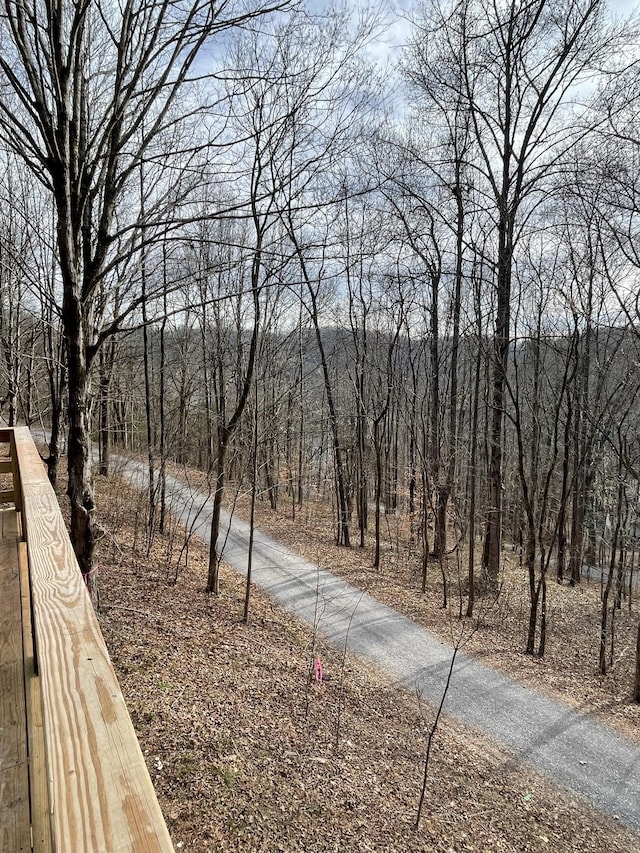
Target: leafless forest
{"type": "Point", "coordinates": [387, 259]}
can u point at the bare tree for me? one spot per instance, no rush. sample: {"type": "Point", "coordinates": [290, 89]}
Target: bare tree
{"type": "Point", "coordinates": [89, 91]}
{"type": "Point", "coordinates": [326, 92]}
{"type": "Point", "coordinates": [518, 68]}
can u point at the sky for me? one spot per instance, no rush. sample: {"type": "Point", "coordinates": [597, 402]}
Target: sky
{"type": "Point", "coordinates": [390, 43]}
{"type": "Point", "coordinates": [623, 7]}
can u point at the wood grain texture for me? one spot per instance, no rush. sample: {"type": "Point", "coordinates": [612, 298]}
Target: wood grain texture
{"type": "Point", "coordinates": [100, 793]}
{"type": "Point", "coordinates": [14, 780]}
{"type": "Point", "coordinates": [38, 782]}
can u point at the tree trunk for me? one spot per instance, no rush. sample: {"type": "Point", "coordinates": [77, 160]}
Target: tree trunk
{"type": "Point", "coordinates": [582, 453]}
{"type": "Point", "coordinates": [213, 577]}
{"type": "Point", "coordinates": [57, 387]}
{"type": "Point", "coordinates": [636, 686]}
{"type": "Point", "coordinates": [148, 405]}
{"type": "Point", "coordinates": [493, 526]}
{"type": "Point", "coordinates": [104, 384]}
{"type": "Point", "coordinates": [83, 536]}
{"type": "Point", "coordinates": [378, 489]}
{"type": "Point", "coordinates": [610, 575]}
{"type": "Point", "coordinates": [252, 511]}
{"type": "Point", "coordinates": [564, 494]}
{"type": "Point", "coordinates": [162, 369]}
{"type": "Point", "coordinates": [435, 442]}
{"type": "Point", "coordinates": [543, 614]}
{"type": "Point", "coordinates": [362, 474]}
{"type": "Point", "coordinates": [534, 590]}
{"type": "Point", "coordinates": [425, 526]}
{"type": "Point", "coordinates": [342, 537]}
{"type": "Point", "coordinates": [474, 454]}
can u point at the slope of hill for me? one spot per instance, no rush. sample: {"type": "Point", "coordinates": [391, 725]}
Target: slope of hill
{"type": "Point", "coordinates": [249, 751]}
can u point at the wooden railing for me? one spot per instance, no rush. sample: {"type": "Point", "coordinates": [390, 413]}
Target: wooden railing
{"type": "Point", "coordinates": [72, 775]}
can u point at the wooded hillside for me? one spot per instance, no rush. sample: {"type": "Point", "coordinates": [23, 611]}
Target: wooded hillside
{"type": "Point", "coordinates": [408, 288]}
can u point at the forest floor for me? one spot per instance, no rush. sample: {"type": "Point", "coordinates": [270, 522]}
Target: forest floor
{"type": "Point", "coordinates": [569, 668]}
{"type": "Point", "coordinates": [248, 752]}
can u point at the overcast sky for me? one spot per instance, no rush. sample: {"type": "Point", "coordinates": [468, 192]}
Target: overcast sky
{"type": "Point", "coordinates": [398, 30]}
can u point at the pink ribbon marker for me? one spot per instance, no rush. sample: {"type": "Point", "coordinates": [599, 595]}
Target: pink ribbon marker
{"type": "Point", "coordinates": [317, 670]}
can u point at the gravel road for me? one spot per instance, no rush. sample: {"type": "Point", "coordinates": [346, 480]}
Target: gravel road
{"type": "Point", "coordinates": [575, 750]}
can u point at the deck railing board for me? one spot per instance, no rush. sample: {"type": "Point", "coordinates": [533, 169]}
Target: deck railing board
{"type": "Point", "coordinates": [41, 837]}
{"type": "Point", "coordinates": [100, 796]}
{"type": "Point", "coordinates": [14, 777]}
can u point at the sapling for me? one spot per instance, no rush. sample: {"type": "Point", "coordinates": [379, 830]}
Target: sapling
{"type": "Point", "coordinates": [343, 662]}
{"type": "Point", "coordinates": [460, 641]}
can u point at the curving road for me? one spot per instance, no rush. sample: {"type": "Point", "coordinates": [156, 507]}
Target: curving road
{"type": "Point", "coordinates": [575, 750]}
